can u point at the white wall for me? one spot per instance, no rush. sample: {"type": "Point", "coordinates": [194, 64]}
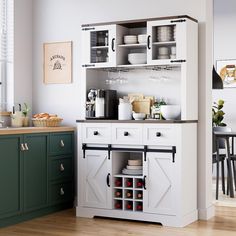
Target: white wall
{"type": "Point", "coordinates": [23, 52]}
{"type": "Point", "coordinates": [225, 48]}
{"type": "Point", "coordinates": [61, 20]}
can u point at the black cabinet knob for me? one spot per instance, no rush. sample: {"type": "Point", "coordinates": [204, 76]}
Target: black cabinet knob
{"type": "Point", "coordinates": [158, 134]}
{"type": "Point", "coordinates": [126, 133]}
{"type": "Point", "coordinates": [95, 133]}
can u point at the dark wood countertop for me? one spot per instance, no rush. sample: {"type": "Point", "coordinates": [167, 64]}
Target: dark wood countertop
{"type": "Point", "coordinates": [138, 121]}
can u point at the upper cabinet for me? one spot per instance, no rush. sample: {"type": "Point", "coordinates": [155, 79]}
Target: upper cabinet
{"type": "Point", "coordinates": [99, 44]}
{"type": "Point", "coordinates": [166, 41]}
{"type": "Point", "coordinates": [150, 42]}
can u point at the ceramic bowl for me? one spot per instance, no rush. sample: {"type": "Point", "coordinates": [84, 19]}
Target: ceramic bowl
{"type": "Point", "coordinates": [137, 58]}
{"type": "Point", "coordinates": [130, 39]}
{"type": "Point", "coordinates": [139, 116]}
{"type": "Point", "coordinates": [170, 112]}
{"type": "Point", "coordinates": [142, 38]}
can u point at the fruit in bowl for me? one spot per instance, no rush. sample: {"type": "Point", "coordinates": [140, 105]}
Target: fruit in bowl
{"type": "Point", "coordinates": [170, 112]}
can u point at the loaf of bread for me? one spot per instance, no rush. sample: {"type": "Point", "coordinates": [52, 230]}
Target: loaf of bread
{"type": "Point", "coordinates": [45, 116]}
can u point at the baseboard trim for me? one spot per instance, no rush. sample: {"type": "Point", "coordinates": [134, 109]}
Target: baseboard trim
{"type": "Point", "coordinates": [207, 213]}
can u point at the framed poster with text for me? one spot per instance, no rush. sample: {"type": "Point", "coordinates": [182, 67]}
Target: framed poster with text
{"type": "Point", "coordinates": [57, 62]}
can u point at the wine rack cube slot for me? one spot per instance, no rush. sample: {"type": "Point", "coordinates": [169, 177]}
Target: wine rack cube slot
{"type": "Point", "coordinates": [128, 193]}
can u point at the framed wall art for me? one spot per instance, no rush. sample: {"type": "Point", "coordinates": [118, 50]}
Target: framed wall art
{"type": "Point", "coordinates": [227, 71]}
{"type": "Point", "coordinates": [57, 62]}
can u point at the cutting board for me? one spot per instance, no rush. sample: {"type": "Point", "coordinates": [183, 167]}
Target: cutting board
{"type": "Point", "coordinates": [142, 106]}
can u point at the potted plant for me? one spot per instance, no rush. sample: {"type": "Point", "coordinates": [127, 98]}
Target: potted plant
{"type": "Point", "coordinates": [25, 113]}
{"type": "Point", "coordinates": [218, 114]}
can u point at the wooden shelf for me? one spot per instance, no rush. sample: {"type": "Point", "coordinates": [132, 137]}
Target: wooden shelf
{"type": "Point", "coordinates": [99, 47]}
{"type": "Point", "coordinates": [164, 43]}
{"type": "Point", "coordinates": [136, 45]}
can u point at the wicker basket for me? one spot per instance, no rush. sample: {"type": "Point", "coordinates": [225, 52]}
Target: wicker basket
{"type": "Point", "coordinates": [47, 122]}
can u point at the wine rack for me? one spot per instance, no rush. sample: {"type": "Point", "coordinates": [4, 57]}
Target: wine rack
{"type": "Point", "coordinates": [128, 193]}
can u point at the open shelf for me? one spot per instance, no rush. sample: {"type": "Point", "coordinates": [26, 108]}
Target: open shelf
{"type": "Point", "coordinates": [137, 45]}
{"type": "Point", "coordinates": [99, 47]}
{"type": "Point", "coordinates": [164, 43]}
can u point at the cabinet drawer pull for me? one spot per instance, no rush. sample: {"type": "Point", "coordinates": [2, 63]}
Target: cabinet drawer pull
{"type": "Point", "coordinates": [22, 147]}
{"type": "Point", "coordinates": [126, 133]}
{"type": "Point", "coordinates": [62, 143]}
{"type": "Point", "coordinates": [95, 133]}
{"type": "Point", "coordinates": [158, 134]}
{"type": "Point", "coordinates": [62, 168]}
{"type": "Point", "coordinates": [26, 147]}
{"type": "Point", "coordinates": [62, 192]}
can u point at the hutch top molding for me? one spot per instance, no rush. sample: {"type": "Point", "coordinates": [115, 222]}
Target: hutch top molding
{"type": "Point", "coordinates": [139, 22]}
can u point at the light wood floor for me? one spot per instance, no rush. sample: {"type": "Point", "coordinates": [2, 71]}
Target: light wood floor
{"type": "Point", "coordinates": [66, 224]}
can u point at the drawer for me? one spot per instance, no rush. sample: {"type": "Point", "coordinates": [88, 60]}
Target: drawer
{"type": "Point", "coordinates": [159, 135]}
{"type": "Point", "coordinates": [97, 133]}
{"type": "Point", "coordinates": [61, 143]}
{"type": "Point", "coordinates": [127, 134]}
{"type": "Point", "coordinates": [62, 192]}
{"type": "Point", "coordinates": [61, 168]}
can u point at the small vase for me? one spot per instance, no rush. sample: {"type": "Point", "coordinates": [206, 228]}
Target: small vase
{"type": "Point", "coordinates": [26, 121]}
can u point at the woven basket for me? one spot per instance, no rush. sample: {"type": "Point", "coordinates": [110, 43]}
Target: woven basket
{"type": "Point", "coordinates": [47, 122]}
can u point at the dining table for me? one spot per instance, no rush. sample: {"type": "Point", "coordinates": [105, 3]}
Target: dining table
{"type": "Point", "coordinates": [226, 135]}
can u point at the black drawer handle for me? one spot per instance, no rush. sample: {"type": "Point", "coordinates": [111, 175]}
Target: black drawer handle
{"type": "Point", "coordinates": [177, 61]}
{"type": "Point", "coordinates": [144, 182]}
{"type": "Point", "coordinates": [126, 133]}
{"type": "Point", "coordinates": [158, 134]}
{"type": "Point", "coordinates": [95, 133]}
{"type": "Point", "coordinates": [108, 180]}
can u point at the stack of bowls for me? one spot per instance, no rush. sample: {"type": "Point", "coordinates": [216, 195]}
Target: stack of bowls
{"type": "Point", "coordinates": [163, 53]}
{"type": "Point", "coordinates": [130, 39]}
{"type": "Point", "coordinates": [164, 33]}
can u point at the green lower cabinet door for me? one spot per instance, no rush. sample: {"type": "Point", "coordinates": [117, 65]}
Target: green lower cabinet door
{"type": "Point", "coordinates": [10, 175]}
{"type": "Point", "coordinates": [61, 193]}
{"type": "Point", "coordinates": [35, 171]}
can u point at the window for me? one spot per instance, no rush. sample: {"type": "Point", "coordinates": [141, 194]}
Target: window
{"type": "Point", "coordinates": [6, 52]}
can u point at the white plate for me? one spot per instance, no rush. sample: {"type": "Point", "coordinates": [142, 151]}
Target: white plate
{"type": "Point", "coordinates": [134, 167]}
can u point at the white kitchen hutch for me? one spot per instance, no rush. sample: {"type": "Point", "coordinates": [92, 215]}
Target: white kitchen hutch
{"type": "Point", "coordinates": [166, 192]}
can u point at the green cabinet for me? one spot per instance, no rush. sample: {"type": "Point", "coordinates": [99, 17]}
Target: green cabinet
{"type": "Point", "coordinates": [36, 175]}
{"type": "Point", "coordinates": [10, 176]}
{"type": "Point", "coordinates": [35, 171]}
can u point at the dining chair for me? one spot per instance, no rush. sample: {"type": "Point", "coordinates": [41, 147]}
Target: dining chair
{"type": "Point", "coordinates": [222, 156]}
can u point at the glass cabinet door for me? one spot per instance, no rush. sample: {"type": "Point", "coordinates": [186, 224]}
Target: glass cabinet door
{"type": "Point", "coordinates": [100, 46]}
{"type": "Point", "coordinates": [166, 41]}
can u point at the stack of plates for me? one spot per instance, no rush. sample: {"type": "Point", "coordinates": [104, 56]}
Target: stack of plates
{"type": "Point", "coordinates": [173, 52]}
{"type": "Point", "coordinates": [134, 167]}
{"type": "Point", "coordinates": [163, 53]}
{"type": "Point", "coordinates": [164, 33]}
{"type": "Point", "coordinates": [174, 33]}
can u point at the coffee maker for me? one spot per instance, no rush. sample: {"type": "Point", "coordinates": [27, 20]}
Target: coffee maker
{"type": "Point", "coordinates": [110, 104]}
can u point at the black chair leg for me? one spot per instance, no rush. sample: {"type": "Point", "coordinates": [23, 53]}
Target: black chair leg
{"type": "Point", "coordinates": [234, 169]}
{"type": "Point", "coordinates": [227, 177]}
{"type": "Point", "coordinates": [217, 179]}
{"type": "Point", "coordinates": [223, 176]}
